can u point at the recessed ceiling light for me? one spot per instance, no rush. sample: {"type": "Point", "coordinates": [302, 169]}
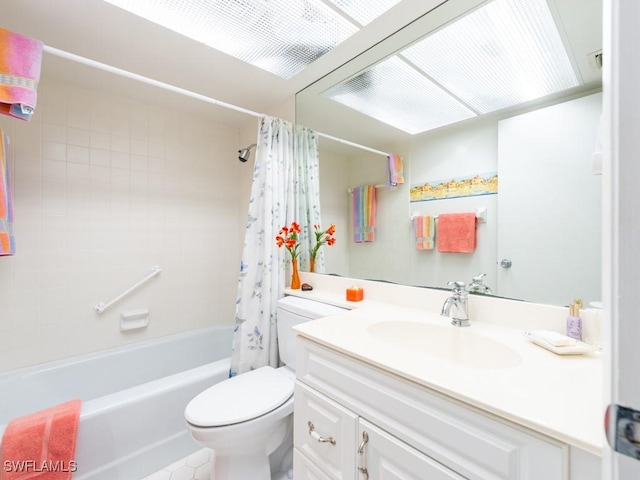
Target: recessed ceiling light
{"type": "Point", "coordinates": [397, 94]}
{"type": "Point", "coordinates": [280, 36]}
{"type": "Point", "coordinates": [505, 53]}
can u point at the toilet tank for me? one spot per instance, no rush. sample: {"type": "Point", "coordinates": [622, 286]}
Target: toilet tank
{"type": "Point", "coordinates": [290, 312]}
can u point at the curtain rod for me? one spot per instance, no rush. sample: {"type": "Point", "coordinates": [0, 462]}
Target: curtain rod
{"type": "Point", "coordinates": [172, 88]}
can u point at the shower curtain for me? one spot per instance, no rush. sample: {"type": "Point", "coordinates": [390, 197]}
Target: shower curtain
{"type": "Point", "coordinates": [264, 266]}
{"type": "Point", "coordinates": [307, 195]}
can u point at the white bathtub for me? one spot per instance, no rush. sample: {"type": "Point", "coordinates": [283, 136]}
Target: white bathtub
{"type": "Point", "coordinates": [132, 419]}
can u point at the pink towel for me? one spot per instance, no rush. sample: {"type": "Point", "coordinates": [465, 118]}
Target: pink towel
{"type": "Point", "coordinates": [42, 445]}
{"type": "Point", "coordinates": [456, 232]}
{"type": "Point", "coordinates": [20, 62]}
{"type": "Point", "coordinates": [394, 169]}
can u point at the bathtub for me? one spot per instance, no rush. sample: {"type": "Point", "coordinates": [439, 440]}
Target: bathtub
{"type": "Point", "coordinates": [132, 418]}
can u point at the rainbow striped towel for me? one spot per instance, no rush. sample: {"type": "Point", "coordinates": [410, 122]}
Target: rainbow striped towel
{"type": "Point", "coordinates": [20, 62]}
{"type": "Point", "coordinates": [364, 213]}
{"type": "Point", "coordinates": [424, 228]}
{"type": "Point", "coordinates": [394, 170]}
{"type": "Point", "coordinates": [7, 241]}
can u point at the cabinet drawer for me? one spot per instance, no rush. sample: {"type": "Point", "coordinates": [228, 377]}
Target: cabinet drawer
{"type": "Point", "coordinates": [325, 432]}
{"type": "Point", "coordinates": [473, 443]}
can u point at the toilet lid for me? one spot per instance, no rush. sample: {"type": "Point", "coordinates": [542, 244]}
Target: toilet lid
{"type": "Point", "coordinates": [240, 398]}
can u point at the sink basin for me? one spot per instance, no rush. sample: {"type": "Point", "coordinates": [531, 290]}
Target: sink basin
{"type": "Point", "coordinates": [456, 345]}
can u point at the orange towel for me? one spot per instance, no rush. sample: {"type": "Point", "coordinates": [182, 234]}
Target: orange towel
{"type": "Point", "coordinates": [456, 232]}
{"type": "Point", "coordinates": [41, 446]}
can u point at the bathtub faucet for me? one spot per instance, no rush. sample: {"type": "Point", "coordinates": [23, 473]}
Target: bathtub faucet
{"type": "Point", "coordinates": [455, 306]}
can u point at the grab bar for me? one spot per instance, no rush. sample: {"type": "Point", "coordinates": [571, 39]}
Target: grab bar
{"type": "Point", "coordinates": [101, 307]}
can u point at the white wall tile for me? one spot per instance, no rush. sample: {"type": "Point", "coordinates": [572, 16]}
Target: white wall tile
{"type": "Point", "coordinates": [79, 136]}
{"type": "Point", "coordinates": [120, 144]}
{"type": "Point", "coordinates": [120, 160]}
{"type": "Point", "coordinates": [100, 156]}
{"type": "Point", "coordinates": [100, 140]}
{"type": "Point", "coordinates": [52, 132]}
{"type": "Point", "coordinates": [54, 151]}
{"type": "Point", "coordinates": [78, 154]}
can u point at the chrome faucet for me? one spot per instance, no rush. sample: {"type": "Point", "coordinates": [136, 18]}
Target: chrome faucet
{"type": "Point", "coordinates": [456, 305]}
{"type": "Point", "coordinates": [477, 285]}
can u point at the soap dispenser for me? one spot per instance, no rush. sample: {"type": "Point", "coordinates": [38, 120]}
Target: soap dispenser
{"type": "Point", "coordinates": [574, 322]}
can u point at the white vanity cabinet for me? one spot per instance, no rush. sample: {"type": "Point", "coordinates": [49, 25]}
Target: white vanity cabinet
{"type": "Point", "coordinates": [350, 416]}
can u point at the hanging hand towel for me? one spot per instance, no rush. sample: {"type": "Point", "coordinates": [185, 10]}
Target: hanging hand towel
{"type": "Point", "coordinates": [423, 227]}
{"type": "Point", "coordinates": [37, 444]}
{"type": "Point", "coordinates": [394, 170]}
{"type": "Point", "coordinates": [20, 62]}
{"type": "Point", "coordinates": [364, 213]}
{"type": "Point", "coordinates": [7, 241]}
{"type": "Point", "coordinates": [456, 232]}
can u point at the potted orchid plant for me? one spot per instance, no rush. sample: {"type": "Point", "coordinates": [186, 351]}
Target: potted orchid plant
{"type": "Point", "coordinates": [322, 237]}
{"type": "Point", "coordinates": [288, 236]}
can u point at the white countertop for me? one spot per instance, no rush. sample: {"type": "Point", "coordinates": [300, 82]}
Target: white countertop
{"type": "Point", "coordinates": [559, 396]}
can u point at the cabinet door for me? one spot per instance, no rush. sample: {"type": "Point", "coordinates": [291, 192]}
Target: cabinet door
{"type": "Point", "coordinates": [325, 433]}
{"type": "Point", "coordinates": [382, 456]}
{"type": "Point", "coordinates": [304, 469]}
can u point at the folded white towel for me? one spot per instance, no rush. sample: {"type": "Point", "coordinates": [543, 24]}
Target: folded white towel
{"type": "Point", "coordinates": [553, 338]}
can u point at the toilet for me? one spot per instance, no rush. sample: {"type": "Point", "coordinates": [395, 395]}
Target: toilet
{"type": "Point", "coordinates": [248, 417]}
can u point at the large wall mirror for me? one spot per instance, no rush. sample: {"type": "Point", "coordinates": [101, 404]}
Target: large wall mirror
{"type": "Point", "coordinates": [463, 91]}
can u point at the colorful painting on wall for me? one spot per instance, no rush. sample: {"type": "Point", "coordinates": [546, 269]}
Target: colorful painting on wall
{"type": "Point", "coordinates": [471, 186]}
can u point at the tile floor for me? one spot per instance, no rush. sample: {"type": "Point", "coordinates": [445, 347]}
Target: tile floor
{"type": "Point", "coordinates": [196, 466]}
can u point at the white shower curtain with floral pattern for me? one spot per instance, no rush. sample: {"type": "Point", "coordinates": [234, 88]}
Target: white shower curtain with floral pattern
{"type": "Point", "coordinates": [307, 195]}
{"type": "Point", "coordinates": [264, 267]}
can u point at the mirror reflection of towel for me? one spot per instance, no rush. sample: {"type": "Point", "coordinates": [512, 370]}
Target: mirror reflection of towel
{"type": "Point", "coordinates": [456, 232]}
{"type": "Point", "coordinates": [363, 201]}
{"type": "Point", "coordinates": [395, 170]}
{"type": "Point", "coordinates": [423, 227]}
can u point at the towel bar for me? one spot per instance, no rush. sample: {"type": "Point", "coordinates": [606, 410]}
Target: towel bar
{"type": "Point", "coordinates": [481, 215]}
{"type": "Point", "coordinates": [382, 185]}
{"type": "Point", "coordinates": [101, 307]}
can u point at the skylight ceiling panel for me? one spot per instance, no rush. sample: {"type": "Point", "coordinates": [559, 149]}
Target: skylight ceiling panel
{"type": "Point", "coordinates": [507, 52]}
{"type": "Point", "coordinates": [396, 94]}
{"type": "Point", "coordinates": [364, 11]}
{"type": "Point", "coordinates": [280, 36]}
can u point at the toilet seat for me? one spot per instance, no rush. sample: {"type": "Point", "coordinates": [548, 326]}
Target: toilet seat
{"type": "Point", "coordinates": [240, 398]}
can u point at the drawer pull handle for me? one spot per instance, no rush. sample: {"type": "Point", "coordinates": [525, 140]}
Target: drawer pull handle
{"type": "Point", "coordinates": [363, 469]}
{"type": "Point", "coordinates": [316, 436]}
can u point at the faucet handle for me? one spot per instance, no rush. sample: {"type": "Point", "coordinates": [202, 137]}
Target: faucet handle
{"type": "Point", "coordinates": [478, 278]}
{"type": "Point", "coordinates": [458, 286]}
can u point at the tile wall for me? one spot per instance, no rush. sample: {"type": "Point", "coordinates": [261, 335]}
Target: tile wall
{"type": "Point", "coordinates": [104, 189]}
